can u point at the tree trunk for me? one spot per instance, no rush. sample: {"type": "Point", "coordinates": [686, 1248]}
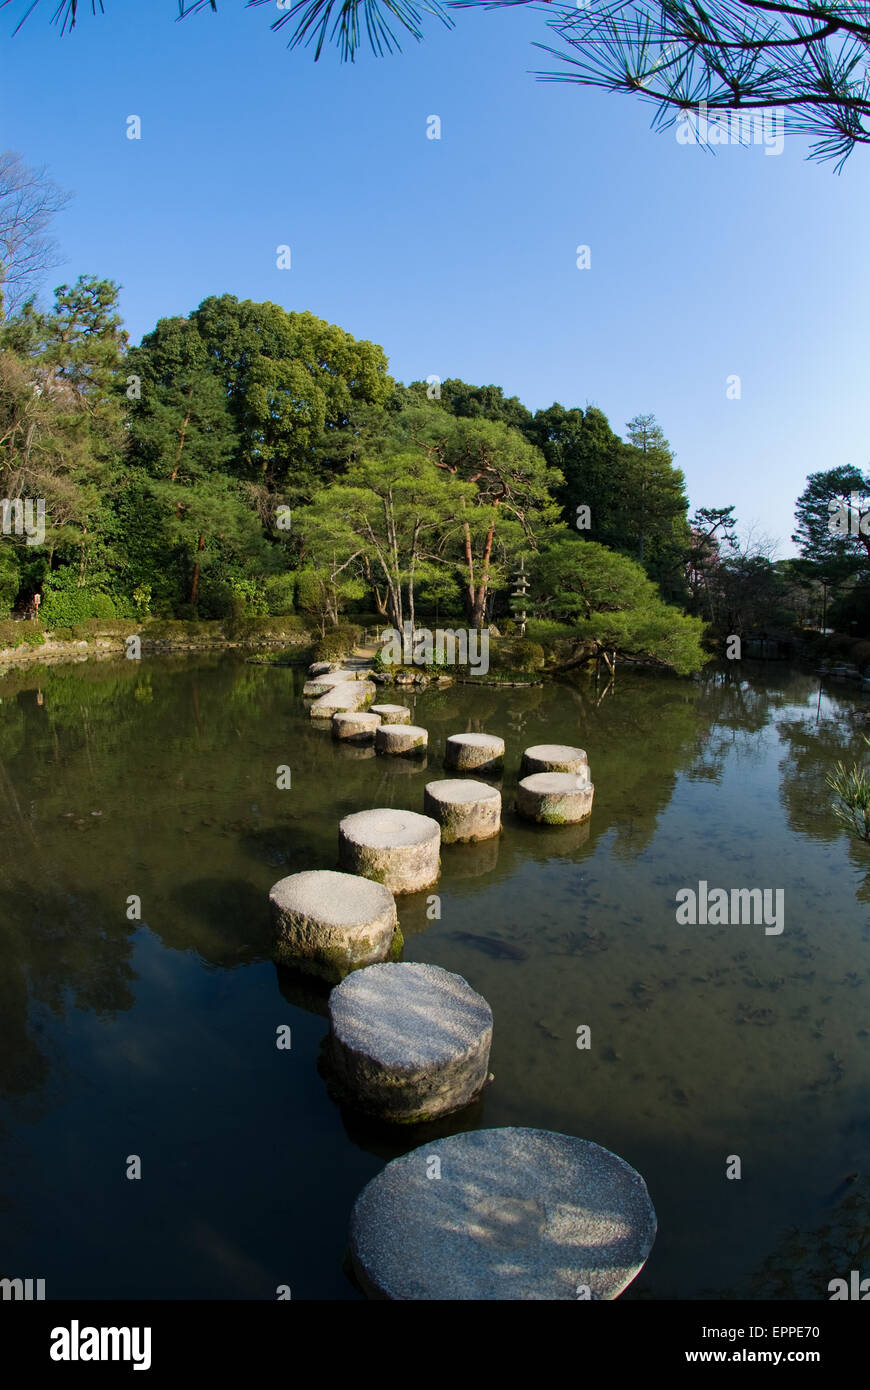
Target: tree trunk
{"type": "Point", "coordinates": [194, 588]}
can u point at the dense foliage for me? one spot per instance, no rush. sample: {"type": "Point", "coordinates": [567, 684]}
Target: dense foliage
{"type": "Point", "coordinates": [248, 461]}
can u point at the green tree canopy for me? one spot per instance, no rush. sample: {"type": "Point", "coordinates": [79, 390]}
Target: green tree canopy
{"type": "Point", "coordinates": [296, 385]}
{"type": "Point", "coordinates": [613, 606]}
{"type": "Point", "coordinates": [472, 402]}
{"type": "Point", "coordinates": [390, 517]}
{"type": "Point", "coordinates": [836, 551]}
{"type": "Point", "coordinates": [512, 506]}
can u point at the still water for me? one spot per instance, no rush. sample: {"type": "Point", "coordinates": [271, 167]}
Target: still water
{"type": "Point", "coordinates": [156, 1037]}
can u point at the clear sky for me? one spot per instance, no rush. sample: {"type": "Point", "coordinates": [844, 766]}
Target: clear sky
{"type": "Point", "coordinates": [459, 255]}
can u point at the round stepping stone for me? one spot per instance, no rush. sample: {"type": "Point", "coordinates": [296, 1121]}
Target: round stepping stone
{"type": "Point", "coordinates": [474, 752]}
{"type": "Point", "coordinates": [554, 757]}
{"type": "Point", "coordinates": [320, 668]}
{"type": "Point", "coordinates": [406, 740]}
{"type": "Point", "coordinates": [464, 809]}
{"type": "Point", "coordinates": [392, 714]}
{"type": "Point", "coordinates": [408, 1042]}
{"type": "Point", "coordinates": [355, 727]}
{"type": "Point", "coordinates": [321, 685]}
{"type": "Point", "coordinates": [397, 848]}
{"type": "Point", "coordinates": [348, 697]}
{"type": "Point", "coordinates": [329, 923]}
{"type": "Point", "coordinates": [518, 1214]}
{"type": "Point", "coordinates": [555, 798]}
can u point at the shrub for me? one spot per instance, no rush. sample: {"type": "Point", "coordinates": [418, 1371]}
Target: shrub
{"type": "Point", "coordinates": [249, 599]}
{"type": "Point", "coordinates": [545, 629]}
{"type": "Point", "coordinates": [528, 655]}
{"type": "Point", "coordinates": [164, 629]}
{"type": "Point", "coordinates": [517, 654]}
{"type": "Point", "coordinates": [65, 602]}
{"type": "Point", "coordinates": [280, 594]}
{"type": "Point", "coordinates": [104, 627]}
{"type": "Point", "coordinates": [9, 581]}
{"type": "Point", "coordinates": [338, 642]}
{"type": "Point", "coordinates": [142, 600]}
{"type": "Point", "coordinates": [19, 634]}
{"type": "Point", "coordinates": [278, 626]}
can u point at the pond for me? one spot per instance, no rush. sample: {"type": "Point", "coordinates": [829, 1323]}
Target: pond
{"type": "Point", "coordinates": [157, 781]}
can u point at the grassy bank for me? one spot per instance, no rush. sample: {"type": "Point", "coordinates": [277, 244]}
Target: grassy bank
{"type": "Point", "coordinates": [24, 642]}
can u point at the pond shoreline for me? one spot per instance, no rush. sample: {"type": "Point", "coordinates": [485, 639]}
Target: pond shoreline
{"type": "Point", "coordinates": [103, 647]}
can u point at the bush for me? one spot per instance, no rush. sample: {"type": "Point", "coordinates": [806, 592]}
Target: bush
{"type": "Point", "coordinates": [104, 627]}
{"type": "Point", "coordinates": [517, 654]}
{"type": "Point", "coordinates": [338, 642]}
{"type": "Point", "coordinates": [10, 580]}
{"type": "Point", "coordinates": [280, 594]}
{"type": "Point", "coordinates": [65, 602]}
{"type": "Point", "coordinates": [280, 626]}
{"type": "Point", "coordinates": [249, 601]}
{"type": "Point", "coordinates": [165, 629]}
{"type": "Point", "coordinates": [19, 634]}
{"type": "Point", "coordinates": [528, 655]}
{"type": "Point", "coordinates": [545, 629]}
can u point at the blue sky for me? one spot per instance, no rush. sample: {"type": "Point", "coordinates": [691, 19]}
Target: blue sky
{"type": "Point", "coordinates": [458, 255]}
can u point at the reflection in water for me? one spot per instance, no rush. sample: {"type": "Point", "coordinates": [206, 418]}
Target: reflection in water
{"type": "Point", "coordinates": [154, 1033]}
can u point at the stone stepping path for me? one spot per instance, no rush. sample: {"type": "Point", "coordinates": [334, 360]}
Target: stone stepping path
{"type": "Point", "coordinates": [356, 727]}
{"type": "Point", "coordinates": [400, 849]}
{"type": "Point", "coordinates": [404, 740]}
{"type": "Point", "coordinates": [328, 923]}
{"type": "Point", "coordinates": [516, 1214]}
{"type": "Point", "coordinates": [554, 757]}
{"type": "Point", "coordinates": [555, 798]}
{"type": "Point", "coordinates": [348, 697]}
{"type": "Point", "coordinates": [465, 810]}
{"type": "Point", "coordinates": [321, 685]}
{"type": "Point", "coordinates": [392, 714]}
{"type": "Point", "coordinates": [408, 1042]}
{"type": "Point", "coordinates": [474, 753]}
